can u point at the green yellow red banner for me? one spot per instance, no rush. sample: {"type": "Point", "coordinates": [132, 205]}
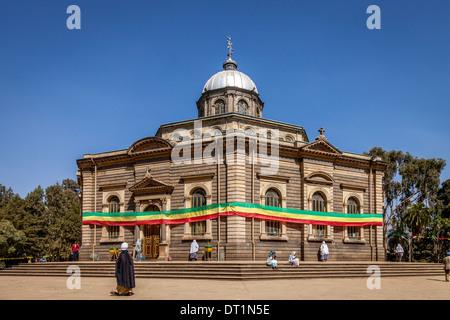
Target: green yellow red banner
{"type": "Point", "coordinates": [248, 210]}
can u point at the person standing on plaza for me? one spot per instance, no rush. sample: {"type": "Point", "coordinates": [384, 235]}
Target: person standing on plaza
{"type": "Point", "coordinates": [193, 250]}
{"type": "Point", "coordinates": [75, 248]}
{"type": "Point", "coordinates": [399, 250]}
{"type": "Point", "coordinates": [124, 273]}
{"type": "Point", "coordinates": [324, 251]}
{"type": "Point", "coordinates": [447, 267]}
{"type": "Point", "coordinates": [138, 249]}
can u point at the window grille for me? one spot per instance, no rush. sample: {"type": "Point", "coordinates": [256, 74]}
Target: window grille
{"type": "Point", "coordinates": [273, 228]}
{"type": "Point", "coordinates": [113, 207]}
{"type": "Point", "coordinates": [198, 199]}
{"type": "Point", "coordinates": [219, 107]}
{"type": "Point", "coordinates": [113, 232]}
{"type": "Point", "coordinates": [353, 207]}
{"type": "Point", "coordinates": [242, 107]}
{"type": "Point", "coordinates": [318, 204]}
{"type": "Point", "coordinates": [273, 198]}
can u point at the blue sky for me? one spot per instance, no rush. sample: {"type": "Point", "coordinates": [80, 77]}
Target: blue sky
{"type": "Point", "coordinates": [135, 65]}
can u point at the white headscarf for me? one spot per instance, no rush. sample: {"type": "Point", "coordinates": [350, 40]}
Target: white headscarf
{"type": "Point", "coordinates": [323, 248]}
{"type": "Point", "coordinates": [194, 247]}
{"type": "Point", "coordinates": [292, 256]}
{"type": "Point", "coordinates": [124, 246]}
{"type": "Point", "coordinates": [138, 245]}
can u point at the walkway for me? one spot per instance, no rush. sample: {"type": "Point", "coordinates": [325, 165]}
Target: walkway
{"type": "Point", "coordinates": [392, 288]}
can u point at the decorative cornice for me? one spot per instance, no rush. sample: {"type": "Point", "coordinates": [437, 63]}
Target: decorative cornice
{"type": "Point", "coordinates": [199, 176]}
{"type": "Point", "coordinates": [352, 187]}
{"type": "Point", "coordinates": [273, 177]}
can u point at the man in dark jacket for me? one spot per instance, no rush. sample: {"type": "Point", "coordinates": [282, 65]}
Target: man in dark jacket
{"type": "Point", "coordinates": [124, 273]}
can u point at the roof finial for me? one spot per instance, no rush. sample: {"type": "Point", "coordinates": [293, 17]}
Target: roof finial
{"type": "Point", "coordinates": [321, 136]}
{"type": "Point", "coordinates": [230, 48]}
{"type": "Point", "coordinates": [229, 64]}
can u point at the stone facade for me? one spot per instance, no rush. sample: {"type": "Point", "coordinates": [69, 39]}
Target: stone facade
{"type": "Point", "coordinates": [311, 176]}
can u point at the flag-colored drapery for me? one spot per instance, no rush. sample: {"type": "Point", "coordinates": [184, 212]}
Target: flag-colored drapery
{"type": "Point", "coordinates": [249, 210]}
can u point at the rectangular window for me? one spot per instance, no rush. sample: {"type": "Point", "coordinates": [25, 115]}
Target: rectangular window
{"type": "Point", "coordinates": [113, 232]}
{"type": "Point", "coordinates": [320, 231]}
{"type": "Point", "coordinates": [273, 228]}
{"type": "Point", "coordinates": [353, 232]}
{"type": "Point", "coordinates": [198, 228]}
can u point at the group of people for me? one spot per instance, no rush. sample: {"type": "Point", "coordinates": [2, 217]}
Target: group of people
{"type": "Point", "coordinates": [125, 276]}
{"type": "Point", "coordinates": [294, 261]}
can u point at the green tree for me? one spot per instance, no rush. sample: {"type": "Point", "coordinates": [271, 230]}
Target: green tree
{"type": "Point", "coordinates": [417, 218]}
{"type": "Point", "coordinates": [407, 179]}
{"type": "Point", "coordinates": [35, 223]}
{"type": "Point", "coordinates": [439, 229]}
{"type": "Point", "coordinates": [5, 195]}
{"type": "Point", "coordinates": [63, 211]}
{"type": "Point", "coordinates": [443, 197]}
{"type": "Point", "coordinates": [11, 240]}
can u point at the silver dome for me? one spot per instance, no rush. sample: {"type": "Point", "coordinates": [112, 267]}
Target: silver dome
{"type": "Point", "coordinates": [230, 77]}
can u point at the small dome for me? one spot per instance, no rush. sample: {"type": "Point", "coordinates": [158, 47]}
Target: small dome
{"type": "Point", "coordinates": [230, 77]}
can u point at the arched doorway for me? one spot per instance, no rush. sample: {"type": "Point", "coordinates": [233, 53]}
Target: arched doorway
{"type": "Point", "coordinates": [152, 235]}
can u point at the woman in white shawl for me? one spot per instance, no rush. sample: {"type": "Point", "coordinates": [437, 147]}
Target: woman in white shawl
{"type": "Point", "coordinates": [399, 250]}
{"type": "Point", "coordinates": [272, 260]}
{"type": "Point", "coordinates": [293, 260]}
{"type": "Point", "coordinates": [324, 251]}
{"type": "Point", "coordinates": [138, 249]}
{"type": "Point", "coordinates": [193, 251]}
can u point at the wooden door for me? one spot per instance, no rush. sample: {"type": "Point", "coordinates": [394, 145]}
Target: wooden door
{"type": "Point", "coordinates": [151, 241]}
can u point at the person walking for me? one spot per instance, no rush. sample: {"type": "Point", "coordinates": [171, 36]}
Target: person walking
{"type": "Point", "coordinates": [324, 252]}
{"type": "Point", "coordinates": [193, 250]}
{"type": "Point", "coordinates": [447, 267]}
{"type": "Point", "coordinates": [75, 248]}
{"type": "Point", "coordinates": [399, 250]}
{"type": "Point", "coordinates": [124, 273]}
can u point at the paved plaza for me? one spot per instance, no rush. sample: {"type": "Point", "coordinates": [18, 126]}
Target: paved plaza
{"type": "Point", "coordinates": [92, 288]}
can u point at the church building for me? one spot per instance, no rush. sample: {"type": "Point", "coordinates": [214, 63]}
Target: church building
{"type": "Point", "coordinates": [234, 181]}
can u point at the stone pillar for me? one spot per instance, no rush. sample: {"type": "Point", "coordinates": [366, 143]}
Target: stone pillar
{"type": "Point", "coordinates": [163, 244]}
{"type": "Point", "coordinates": [236, 189]}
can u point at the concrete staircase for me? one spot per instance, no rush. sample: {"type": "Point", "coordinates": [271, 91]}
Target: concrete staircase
{"type": "Point", "coordinates": [229, 270]}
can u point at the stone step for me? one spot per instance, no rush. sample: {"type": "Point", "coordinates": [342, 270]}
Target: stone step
{"type": "Point", "coordinates": [228, 270]}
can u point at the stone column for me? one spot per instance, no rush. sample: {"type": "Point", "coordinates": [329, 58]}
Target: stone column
{"type": "Point", "coordinates": [236, 189]}
{"type": "Point", "coordinates": [163, 244]}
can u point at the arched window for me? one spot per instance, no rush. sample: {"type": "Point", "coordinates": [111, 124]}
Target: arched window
{"type": "Point", "coordinates": [353, 207]}
{"type": "Point", "coordinates": [273, 228]}
{"type": "Point", "coordinates": [273, 198]}
{"type": "Point", "coordinates": [198, 199]}
{"type": "Point", "coordinates": [151, 208]}
{"type": "Point", "coordinates": [219, 107]}
{"type": "Point", "coordinates": [242, 107]}
{"type": "Point", "coordinates": [319, 204]}
{"type": "Point", "coordinates": [113, 207]}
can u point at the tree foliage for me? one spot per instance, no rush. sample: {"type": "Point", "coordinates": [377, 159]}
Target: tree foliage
{"type": "Point", "coordinates": [415, 200]}
{"type": "Point", "coordinates": [49, 220]}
